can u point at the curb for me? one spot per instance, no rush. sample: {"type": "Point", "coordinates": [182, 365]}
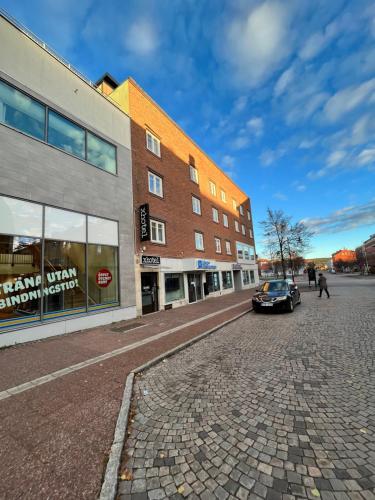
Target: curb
{"type": "Point", "coordinates": [110, 482]}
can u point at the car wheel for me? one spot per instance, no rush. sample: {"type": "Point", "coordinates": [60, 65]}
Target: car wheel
{"type": "Point", "coordinates": [256, 310]}
{"type": "Point", "coordinates": [290, 306]}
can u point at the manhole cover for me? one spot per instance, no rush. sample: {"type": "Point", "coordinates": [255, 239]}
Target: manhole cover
{"type": "Point", "coordinates": [126, 328]}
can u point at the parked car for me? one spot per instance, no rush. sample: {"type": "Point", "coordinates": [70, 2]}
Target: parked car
{"type": "Point", "coordinates": [277, 295]}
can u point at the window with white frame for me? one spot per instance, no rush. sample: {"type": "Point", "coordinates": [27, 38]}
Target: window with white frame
{"type": "Point", "coordinates": [241, 209]}
{"type": "Point", "coordinates": [199, 243]}
{"type": "Point", "coordinates": [248, 215]}
{"type": "Point", "coordinates": [250, 233]}
{"type": "Point", "coordinates": [243, 229]}
{"type": "Point", "coordinates": [246, 254]}
{"type": "Point", "coordinates": [237, 226]}
{"type": "Point", "coordinates": [152, 143]}
{"type": "Point", "coordinates": [155, 184]}
{"type": "Point", "coordinates": [157, 231]}
{"type": "Point", "coordinates": [212, 188]}
{"type": "Point", "coordinates": [245, 277]}
{"type": "Point", "coordinates": [194, 174]}
{"type": "Point", "coordinates": [217, 245]}
{"type": "Point", "coordinates": [215, 214]}
{"type": "Point", "coordinates": [196, 203]}
{"type": "Point", "coordinates": [225, 220]}
{"type": "Point", "coordinates": [223, 196]}
{"type": "Point", "coordinates": [234, 204]}
{"type": "Point", "coordinates": [228, 248]}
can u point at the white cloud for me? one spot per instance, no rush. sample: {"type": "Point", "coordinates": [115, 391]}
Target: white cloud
{"type": "Point", "coordinates": [280, 196]}
{"type": "Point", "coordinates": [343, 220]}
{"type": "Point", "coordinates": [348, 99]}
{"type": "Point", "coordinates": [240, 104]}
{"type": "Point", "coordinates": [300, 187]}
{"type": "Point", "coordinates": [269, 156]}
{"type": "Point", "coordinates": [367, 156]}
{"type": "Point", "coordinates": [306, 107]}
{"type": "Point", "coordinates": [257, 42]}
{"type": "Point", "coordinates": [256, 126]}
{"type": "Point", "coordinates": [228, 161]}
{"type": "Point", "coordinates": [141, 38]}
{"type": "Point", "coordinates": [318, 41]}
{"type": "Point", "coordinates": [241, 142]}
{"type": "Point", "coordinates": [336, 157]}
{"type": "Point", "coordinates": [307, 143]}
{"type": "Point", "coordinates": [283, 82]}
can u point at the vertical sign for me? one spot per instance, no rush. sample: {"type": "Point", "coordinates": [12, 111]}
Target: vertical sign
{"type": "Point", "coordinates": [144, 219]}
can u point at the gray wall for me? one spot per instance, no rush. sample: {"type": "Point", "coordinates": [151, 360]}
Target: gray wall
{"type": "Point", "coordinates": [35, 171]}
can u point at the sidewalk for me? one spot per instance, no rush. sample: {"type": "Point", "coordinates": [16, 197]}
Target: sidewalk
{"type": "Point", "coordinates": [56, 433]}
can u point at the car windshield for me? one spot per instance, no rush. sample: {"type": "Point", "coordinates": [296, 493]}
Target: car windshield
{"type": "Point", "coordinates": [274, 286]}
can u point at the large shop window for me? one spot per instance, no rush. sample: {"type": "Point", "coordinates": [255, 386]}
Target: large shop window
{"type": "Point", "coordinates": [21, 112]}
{"type": "Point", "coordinates": [174, 287]}
{"type": "Point", "coordinates": [213, 282]}
{"type": "Point", "coordinates": [227, 279]}
{"type": "Point", "coordinates": [78, 273]}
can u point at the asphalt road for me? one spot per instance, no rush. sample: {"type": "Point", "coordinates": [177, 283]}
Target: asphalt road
{"type": "Point", "coordinates": [271, 406]}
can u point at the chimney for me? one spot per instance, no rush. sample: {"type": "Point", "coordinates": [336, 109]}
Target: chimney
{"type": "Point", "coordinates": [106, 84]}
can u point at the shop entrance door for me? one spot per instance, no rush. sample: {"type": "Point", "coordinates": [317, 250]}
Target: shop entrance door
{"type": "Point", "coordinates": [237, 280]}
{"type": "Point", "coordinates": [149, 284]}
{"type": "Point", "coordinates": [195, 287]}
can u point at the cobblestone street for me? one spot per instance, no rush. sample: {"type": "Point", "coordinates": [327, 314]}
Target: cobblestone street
{"type": "Point", "coordinates": [271, 406]}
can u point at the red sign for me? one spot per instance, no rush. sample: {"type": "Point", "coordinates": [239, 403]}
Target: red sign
{"type": "Point", "coordinates": [103, 278]}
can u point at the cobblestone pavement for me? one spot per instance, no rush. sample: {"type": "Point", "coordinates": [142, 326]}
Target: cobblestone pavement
{"type": "Point", "coordinates": [271, 406]}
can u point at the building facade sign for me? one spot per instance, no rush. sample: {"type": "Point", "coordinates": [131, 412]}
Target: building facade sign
{"type": "Point", "coordinates": [150, 260]}
{"type": "Point", "coordinates": [204, 264]}
{"type": "Point", "coordinates": [144, 221]}
{"type": "Point", "coordinates": [236, 267]}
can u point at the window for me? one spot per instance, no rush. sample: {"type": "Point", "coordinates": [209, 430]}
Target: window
{"type": "Point", "coordinates": [157, 231]}
{"type": "Point", "coordinates": [199, 244]}
{"type": "Point", "coordinates": [250, 233]}
{"type": "Point", "coordinates": [101, 153]}
{"type": "Point", "coordinates": [66, 135]}
{"type": "Point", "coordinates": [225, 220]}
{"type": "Point", "coordinates": [196, 203]}
{"type": "Point", "coordinates": [64, 225]}
{"type": "Point", "coordinates": [64, 258]}
{"type": "Point", "coordinates": [252, 277]}
{"type": "Point", "coordinates": [215, 215]}
{"type": "Point", "coordinates": [244, 251]}
{"type": "Point", "coordinates": [228, 248]}
{"type": "Point", "coordinates": [194, 174]}
{"type": "Point", "coordinates": [248, 215]}
{"type": "Point", "coordinates": [20, 217]}
{"type": "Point", "coordinates": [239, 252]}
{"type": "Point", "coordinates": [241, 209]}
{"type": "Point", "coordinates": [28, 115]}
{"type": "Point", "coordinates": [217, 245]}
{"type": "Point", "coordinates": [234, 204]}
{"type": "Point", "coordinates": [174, 286]}
{"type": "Point", "coordinates": [20, 263]}
{"type": "Point", "coordinates": [102, 276]}
{"type": "Point", "coordinates": [155, 184]}
{"type": "Point", "coordinates": [245, 277]}
{"type": "Point", "coordinates": [21, 112]}
{"type": "Point", "coordinates": [243, 229]}
{"type": "Point", "coordinates": [223, 196]}
{"type": "Point", "coordinates": [102, 231]}
{"type": "Point", "coordinates": [152, 143]}
{"type": "Point", "coordinates": [227, 279]}
{"type": "Point", "coordinates": [213, 282]}
{"type": "Point", "coordinates": [246, 254]}
{"type": "Point", "coordinates": [237, 226]}
{"type": "Point", "coordinates": [212, 188]}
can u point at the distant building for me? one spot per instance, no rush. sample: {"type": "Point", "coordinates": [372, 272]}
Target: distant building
{"type": "Point", "coordinates": [365, 254]}
{"type": "Point", "coordinates": [321, 263]}
{"type": "Point", "coordinates": [344, 260]}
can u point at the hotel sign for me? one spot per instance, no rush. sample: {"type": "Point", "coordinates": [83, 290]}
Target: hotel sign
{"type": "Point", "coordinates": [204, 264]}
{"type": "Point", "coordinates": [150, 260]}
{"type": "Point", "coordinates": [144, 222]}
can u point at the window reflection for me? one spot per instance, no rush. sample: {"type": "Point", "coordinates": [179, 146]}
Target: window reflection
{"type": "Point", "coordinates": [66, 135]}
{"type": "Point", "coordinates": [21, 112]}
{"type": "Point", "coordinates": [101, 153]}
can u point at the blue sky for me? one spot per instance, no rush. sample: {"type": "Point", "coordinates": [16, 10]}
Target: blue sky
{"type": "Point", "coordinates": [281, 94]}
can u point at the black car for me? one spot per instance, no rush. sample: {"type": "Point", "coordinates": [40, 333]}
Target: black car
{"type": "Point", "coordinates": [277, 295]}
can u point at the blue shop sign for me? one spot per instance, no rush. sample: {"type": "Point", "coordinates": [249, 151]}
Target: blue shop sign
{"type": "Point", "coordinates": [205, 264]}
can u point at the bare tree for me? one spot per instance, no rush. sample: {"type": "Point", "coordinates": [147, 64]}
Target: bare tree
{"type": "Point", "coordinates": [285, 240]}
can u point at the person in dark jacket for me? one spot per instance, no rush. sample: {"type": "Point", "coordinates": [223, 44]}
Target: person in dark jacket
{"type": "Point", "coordinates": [312, 275]}
{"type": "Point", "coordinates": [323, 285]}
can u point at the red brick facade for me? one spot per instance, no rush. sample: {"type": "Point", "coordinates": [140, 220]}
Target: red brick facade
{"type": "Point", "coordinates": [175, 208]}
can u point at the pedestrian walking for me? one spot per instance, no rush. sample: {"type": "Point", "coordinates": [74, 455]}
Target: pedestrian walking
{"type": "Point", "coordinates": [323, 285]}
{"type": "Point", "coordinates": [312, 275]}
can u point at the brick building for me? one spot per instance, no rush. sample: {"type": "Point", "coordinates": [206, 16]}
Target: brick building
{"type": "Point", "coordinates": [197, 234]}
{"type": "Point", "coordinates": [344, 259]}
{"type": "Point", "coordinates": [366, 255]}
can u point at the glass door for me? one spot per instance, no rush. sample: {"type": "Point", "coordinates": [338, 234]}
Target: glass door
{"type": "Point", "coordinates": [195, 287]}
